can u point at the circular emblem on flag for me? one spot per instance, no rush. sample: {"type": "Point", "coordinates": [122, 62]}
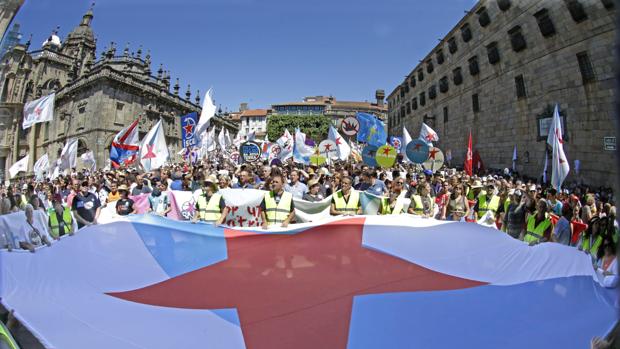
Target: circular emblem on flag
{"type": "Point", "coordinates": [328, 149]}
{"type": "Point", "coordinates": [396, 143]}
{"type": "Point", "coordinates": [250, 151]}
{"type": "Point", "coordinates": [189, 128]}
{"type": "Point", "coordinates": [417, 151]}
{"type": "Point", "coordinates": [188, 209]}
{"type": "Point", "coordinates": [234, 156]}
{"type": "Point", "coordinates": [435, 159]}
{"type": "Point", "coordinates": [386, 156]}
{"type": "Point", "coordinates": [350, 126]}
{"type": "Point", "coordinates": [368, 155]}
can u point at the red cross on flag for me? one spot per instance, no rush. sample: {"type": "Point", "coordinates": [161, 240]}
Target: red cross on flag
{"type": "Point", "coordinates": [40, 110]}
{"type": "Point", "coordinates": [560, 167]}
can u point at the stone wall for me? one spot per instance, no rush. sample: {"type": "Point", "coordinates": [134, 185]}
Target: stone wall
{"type": "Point", "coordinates": [551, 74]}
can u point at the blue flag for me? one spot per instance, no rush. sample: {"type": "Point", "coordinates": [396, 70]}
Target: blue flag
{"type": "Point", "coordinates": [372, 130]}
{"type": "Point", "coordinates": [188, 129]}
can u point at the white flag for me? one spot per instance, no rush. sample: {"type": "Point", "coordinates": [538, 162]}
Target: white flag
{"type": "Point", "coordinates": [42, 165]}
{"type": "Point", "coordinates": [229, 141]}
{"type": "Point", "coordinates": [221, 139]}
{"type": "Point", "coordinates": [19, 166]}
{"type": "Point", "coordinates": [545, 169]}
{"type": "Point", "coordinates": [211, 140]}
{"type": "Point", "coordinates": [406, 140]}
{"type": "Point", "coordinates": [560, 167]}
{"type": "Point", "coordinates": [250, 136]}
{"type": "Point", "coordinates": [39, 110]}
{"type": "Point", "coordinates": [88, 159]}
{"type": "Point", "coordinates": [286, 144]}
{"type": "Point", "coordinates": [207, 113]}
{"type": "Point", "coordinates": [302, 151]}
{"type": "Point", "coordinates": [68, 157]}
{"type": "Point", "coordinates": [153, 150]}
{"type": "Point", "coordinates": [428, 135]}
{"type": "Point", "coordinates": [344, 150]}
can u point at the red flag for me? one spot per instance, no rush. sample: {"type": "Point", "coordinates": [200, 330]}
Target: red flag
{"type": "Point", "coordinates": [469, 158]}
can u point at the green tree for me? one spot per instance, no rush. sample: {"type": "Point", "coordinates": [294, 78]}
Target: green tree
{"type": "Point", "coordinates": [314, 126]}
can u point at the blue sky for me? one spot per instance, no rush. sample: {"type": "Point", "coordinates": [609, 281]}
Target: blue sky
{"type": "Point", "coordinates": [264, 51]}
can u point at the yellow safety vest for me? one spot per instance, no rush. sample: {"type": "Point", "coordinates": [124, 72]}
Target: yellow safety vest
{"type": "Point", "coordinates": [385, 206]}
{"type": "Point", "coordinates": [54, 224]}
{"type": "Point", "coordinates": [6, 337]}
{"type": "Point", "coordinates": [209, 212]}
{"type": "Point", "coordinates": [398, 207]}
{"type": "Point", "coordinates": [585, 245]}
{"type": "Point", "coordinates": [484, 205]}
{"type": "Point", "coordinates": [470, 193]}
{"type": "Point", "coordinates": [347, 207]}
{"type": "Point", "coordinates": [535, 233]}
{"type": "Point", "coordinates": [277, 212]}
{"type": "Point", "coordinates": [419, 206]}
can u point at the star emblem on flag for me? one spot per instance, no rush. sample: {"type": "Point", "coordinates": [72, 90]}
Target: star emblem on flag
{"type": "Point", "coordinates": [338, 140]}
{"type": "Point", "coordinates": [433, 152]}
{"type": "Point", "coordinates": [38, 110]}
{"type": "Point", "coordinates": [189, 130]}
{"type": "Point", "coordinates": [386, 151]}
{"type": "Point", "coordinates": [417, 146]}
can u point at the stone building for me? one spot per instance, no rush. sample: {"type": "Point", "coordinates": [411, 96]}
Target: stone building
{"type": "Point", "coordinates": [95, 98]}
{"type": "Point", "coordinates": [500, 71]}
{"type": "Point", "coordinates": [330, 106]}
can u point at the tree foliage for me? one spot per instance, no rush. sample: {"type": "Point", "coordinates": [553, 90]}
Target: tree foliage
{"type": "Point", "coordinates": [314, 126]}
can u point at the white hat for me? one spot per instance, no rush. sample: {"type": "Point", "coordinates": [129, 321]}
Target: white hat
{"type": "Point", "coordinates": [25, 186]}
{"type": "Point", "coordinates": [532, 187]}
{"type": "Point", "coordinates": [223, 172]}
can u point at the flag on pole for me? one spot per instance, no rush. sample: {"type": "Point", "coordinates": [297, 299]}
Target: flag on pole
{"type": "Point", "coordinates": [221, 139]}
{"type": "Point", "coordinates": [188, 129]}
{"type": "Point", "coordinates": [406, 140]}
{"type": "Point", "coordinates": [125, 145]}
{"type": "Point", "coordinates": [545, 168]}
{"type": "Point", "coordinates": [372, 130]}
{"type": "Point", "coordinates": [88, 159]}
{"type": "Point", "coordinates": [514, 159]}
{"type": "Point", "coordinates": [68, 157]}
{"type": "Point", "coordinates": [560, 167]}
{"type": "Point", "coordinates": [229, 141]}
{"type": "Point", "coordinates": [301, 151]}
{"type": "Point", "coordinates": [19, 166]}
{"type": "Point", "coordinates": [208, 111]}
{"type": "Point", "coordinates": [250, 136]}
{"type": "Point", "coordinates": [286, 144]}
{"type": "Point", "coordinates": [40, 110]}
{"type": "Point", "coordinates": [153, 150]}
{"type": "Point", "coordinates": [428, 135]}
{"type": "Point", "coordinates": [42, 165]}
{"type": "Point", "coordinates": [344, 150]}
{"type": "Point", "coordinates": [468, 166]}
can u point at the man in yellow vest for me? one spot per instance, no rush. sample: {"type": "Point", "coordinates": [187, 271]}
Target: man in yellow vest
{"type": "Point", "coordinates": [422, 203]}
{"type": "Point", "coordinates": [210, 206]}
{"type": "Point", "coordinates": [60, 219]}
{"type": "Point", "coordinates": [538, 225]}
{"type": "Point", "coordinates": [346, 201]}
{"type": "Point", "coordinates": [277, 205]}
{"type": "Point", "coordinates": [487, 201]}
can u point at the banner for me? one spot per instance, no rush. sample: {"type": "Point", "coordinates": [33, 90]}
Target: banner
{"type": "Point", "coordinates": [188, 126]}
{"type": "Point", "coordinates": [349, 282]}
{"type": "Point", "coordinates": [14, 228]}
{"type": "Point", "coordinates": [306, 211]}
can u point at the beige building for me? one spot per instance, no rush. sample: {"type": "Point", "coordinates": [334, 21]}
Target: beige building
{"type": "Point", "coordinates": [95, 97]}
{"type": "Point", "coordinates": [500, 71]}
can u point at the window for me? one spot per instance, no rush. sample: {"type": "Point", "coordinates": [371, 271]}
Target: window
{"type": "Point", "coordinates": [585, 66]}
{"type": "Point", "coordinates": [432, 92]}
{"type": "Point", "coordinates": [452, 45]}
{"type": "Point", "coordinates": [609, 4]}
{"type": "Point", "coordinates": [422, 98]}
{"type": "Point", "coordinates": [457, 76]}
{"type": "Point", "coordinates": [516, 39]}
{"type": "Point", "coordinates": [408, 108]}
{"type": "Point", "coordinates": [545, 24]}
{"type": "Point", "coordinates": [406, 86]}
{"type": "Point", "coordinates": [119, 106]}
{"type": "Point", "coordinates": [503, 5]}
{"type": "Point", "coordinates": [443, 85]}
{"type": "Point", "coordinates": [520, 86]}
{"type": "Point", "coordinates": [474, 69]}
{"type": "Point", "coordinates": [493, 53]}
{"type": "Point", "coordinates": [429, 66]}
{"type": "Point", "coordinates": [466, 32]}
{"type": "Point", "coordinates": [402, 112]}
{"type": "Point", "coordinates": [82, 109]}
{"type": "Point", "coordinates": [483, 17]}
{"type": "Point", "coordinates": [439, 56]}
{"type": "Point", "coordinates": [412, 81]}
{"type": "Point", "coordinates": [402, 91]}
{"type": "Point", "coordinates": [421, 75]}
{"type": "Point", "coordinates": [414, 103]}
{"type": "Point", "coordinates": [576, 10]}
{"type": "Point", "coordinates": [475, 105]}
{"type": "Point", "coordinates": [445, 114]}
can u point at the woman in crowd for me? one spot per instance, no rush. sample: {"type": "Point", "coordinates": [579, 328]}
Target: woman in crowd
{"type": "Point", "coordinates": [607, 265]}
{"type": "Point", "coordinates": [457, 207]}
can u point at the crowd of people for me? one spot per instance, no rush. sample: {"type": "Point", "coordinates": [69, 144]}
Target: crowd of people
{"type": "Point", "coordinates": [577, 215]}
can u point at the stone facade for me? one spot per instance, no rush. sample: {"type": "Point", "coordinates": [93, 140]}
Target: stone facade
{"type": "Point", "coordinates": [95, 98]}
{"type": "Point", "coordinates": [530, 55]}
